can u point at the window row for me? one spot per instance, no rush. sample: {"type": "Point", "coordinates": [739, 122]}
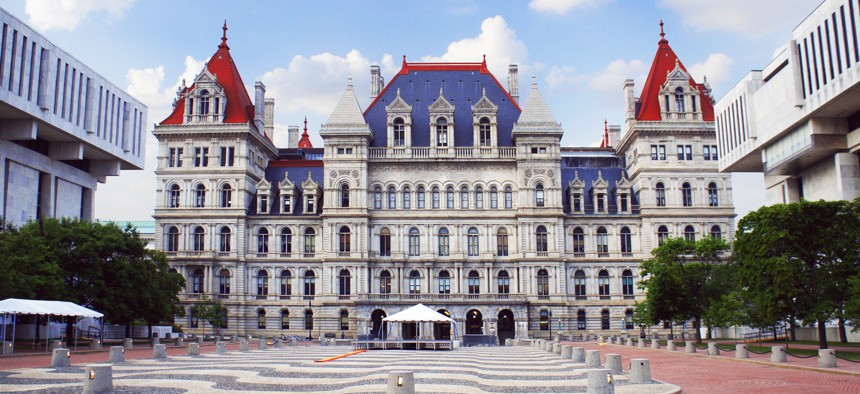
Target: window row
{"type": "Point", "coordinates": [200, 196]}
{"type": "Point", "coordinates": [448, 198]}
{"type": "Point", "coordinates": [684, 152]}
{"type": "Point", "coordinates": [201, 156]}
{"type": "Point", "coordinates": [688, 234]}
{"type": "Point", "coordinates": [545, 315]}
{"type": "Point", "coordinates": [686, 195]}
{"type": "Point", "coordinates": [224, 238]}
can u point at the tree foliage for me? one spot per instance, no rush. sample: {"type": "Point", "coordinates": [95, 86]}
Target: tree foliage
{"type": "Point", "coordinates": [211, 311]}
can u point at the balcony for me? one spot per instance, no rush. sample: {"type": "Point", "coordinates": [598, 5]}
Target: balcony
{"type": "Point", "coordinates": [443, 153]}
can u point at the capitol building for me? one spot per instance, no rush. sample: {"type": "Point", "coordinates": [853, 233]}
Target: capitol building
{"type": "Point", "coordinates": [448, 190]}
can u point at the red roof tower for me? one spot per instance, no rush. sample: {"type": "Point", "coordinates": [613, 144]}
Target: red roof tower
{"type": "Point", "coordinates": [305, 142]}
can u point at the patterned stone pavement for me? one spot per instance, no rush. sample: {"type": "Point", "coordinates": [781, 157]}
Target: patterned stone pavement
{"type": "Point", "coordinates": [292, 369]}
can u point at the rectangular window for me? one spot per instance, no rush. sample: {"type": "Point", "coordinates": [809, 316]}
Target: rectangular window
{"type": "Point", "coordinates": [198, 157]}
{"type": "Point", "coordinates": [624, 203]}
{"type": "Point", "coordinates": [706, 152]}
{"type": "Point", "coordinates": [171, 159]}
{"type": "Point", "coordinates": [502, 245]}
{"type": "Point", "coordinates": [228, 154]}
{"type": "Point", "coordinates": [577, 202]}
{"type": "Point", "coordinates": [420, 197]}
{"type": "Point", "coordinates": [264, 203]}
{"type": "Point", "coordinates": [414, 245]}
{"type": "Point", "coordinates": [662, 149]}
{"type": "Point", "coordinates": [310, 205]}
{"type": "Point", "coordinates": [714, 152]}
{"type": "Point", "coordinates": [444, 245]}
{"type": "Point", "coordinates": [653, 152]}
{"type": "Point", "coordinates": [688, 150]}
{"type": "Point", "coordinates": [287, 204]}
{"type": "Point", "coordinates": [344, 151]}
{"type": "Point", "coordinates": [680, 152]}
{"type": "Point", "coordinates": [444, 285]}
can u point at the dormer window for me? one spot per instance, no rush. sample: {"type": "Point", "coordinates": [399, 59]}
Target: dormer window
{"type": "Point", "coordinates": [399, 131]}
{"type": "Point", "coordinates": [287, 190]}
{"type": "Point", "coordinates": [442, 122]}
{"type": "Point", "coordinates": [599, 190]}
{"type": "Point", "coordinates": [577, 194]}
{"type": "Point", "coordinates": [441, 132]}
{"type": "Point", "coordinates": [679, 100]}
{"type": "Point", "coordinates": [312, 193]}
{"type": "Point", "coordinates": [484, 131]}
{"type": "Point", "coordinates": [204, 102]}
{"type": "Point", "coordinates": [264, 202]}
{"type": "Point", "coordinates": [399, 122]}
{"type": "Point", "coordinates": [484, 121]}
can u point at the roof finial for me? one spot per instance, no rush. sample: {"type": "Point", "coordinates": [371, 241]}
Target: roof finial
{"type": "Point", "coordinates": [349, 84]}
{"type": "Point", "coordinates": [224, 36]}
{"type": "Point", "coordinates": [534, 80]}
{"type": "Point", "coordinates": [306, 124]}
{"type": "Point", "coordinates": [662, 34]}
{"type": "Point", "coordinates": [404, 60]}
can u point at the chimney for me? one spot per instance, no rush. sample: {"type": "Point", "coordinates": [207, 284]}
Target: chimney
{"type": "Point", "coordinates": [513, 83]}
{"type": "Point", "coordinates": [269, 118]}
{"type": "Point", "coordinates": [259, 105]}
{"type": "Point", "coordinates": [614, 135]}
{"type": "Point", "coordinates": [631, 101]}
{"type": "Point", "coordinates": [292, 136]}
{"type": "Point", "coordinates": [375, 81]}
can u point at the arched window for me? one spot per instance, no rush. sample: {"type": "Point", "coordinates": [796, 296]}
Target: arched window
{"type": "Point", "coordinates": [464, 197]}
{"type": "Point", "coordinates": [602, 242]}
{"type": "Point", "coordinates": [385, 242]}
{"type": "Point", "coordinates": [579, 285]}
{"type": "Point", "coordinates": [399, 129]}
{"type": "Point", "coordinates": [419, 195]}
{"type": "Point", "coordinates": [716, 232]}
{"type": "Point", "coordinates": [407, 198]}
{"type": "Point", "coordinates": [539, 195]}
{"type": "Point", "coordinates": [309, 319]}
{"type": "Point", "coordinates": [504, 282]}
{"type": "Point", "coordinates": [479, 198]}
{"type": "Point", "coordinates": [172, 239]}
{"type": "Point", "coordinates": [541, 239]}
{"type": "Point", "coordinates": [285, 319]}
{"type": "Point", "coordinates": [627, 284]}
{"type": "Point", "coordinates": [377, 197]}
{"type": "Point", "coordinates": [286, 241]}
{"type": "Point", "coordinates": [286, 284]}
{"type": "Point", "coordinates": [578, 242]}
{"type": "Point", "coordinates": [494, 198]}
{"type": "Point", "coordinates": [200, 196]}
{"type": "Point", "coordinates": [310, 284]}
{"type": "Point", "coordinates": [690, 233]}
{"type": "Point", "coordinates": [679, 100]}
{"type": "Point", "coordinates": [544, 320]}
{"type": "Point", "coordinates": [626, 240]}
{"type": "Point", "coordinates": [603, 284]}
{"type": "Point", "coordinates": [580, 320]}
{"type": "Point", "coordinates": [224, 239]}
{"type": "Point", "coordinates": [263, 240]}
{"type": "Point", "coordinates": [414, 242]}
{"type": "Point", "coordinates": [604, 319]}
{"type": "Point", "coordinates": [543, 283]}
{"type": "Point", "coordinates": [662, 235]}
{"type": "Point", "coordinates": [173, 196]}
{"type": "Point", "coordinates": [392, 198]}
{"type": "Point", "coordinates": [441, 132]}
{"type": "Point", "coordinates": [385, 282]}
{"type": "Point", "coordinates": [414, 282]}
{"type": "Point", "coordinates": [435, 197]}
{"type": "Point", "coordinates": [226, 196]}
{"type": "Point", "coordinates": [261, 319]}
{"type": "Point", "coordinates": [224, 282]}
{"type": "Point", "coordinates": [262, 283]}
{"type": "Point", "coordinates": [713, 195]}
{"type": "Point", "coordinates": [687, 194]}
{"type": "Point", "coordinates": [344, 238]}
{"type": "Point", "coordinates": [344, 195]}
{"type": "Point", "coordinates": [449, 197]}
{"type": "Point", "coordinates": [444, 282]}
{"type": "Point", "coordinates": [628, 319]}
{"type": "Point", "coordinates": [444, 242]}
{"type": "Point", "coordinates": [197, 281]}
{"type": "Point", "coordinates": [472, 241]}
{"type": "Point", "coordinates": [484, 131]}
{"type": "Point", "coordinates": [199, 237]}
{"type": "Point", "coordinates": [204, 102]}
{"type": "Point", "coordinates": [344, 320]}
{"type": "Point", "coordinates": [344, 282]}
{"type": "Point", "coordinates": [310, 241]}
{"type": "Point", "coordinates": [660, 189]}
{"type": "Point", "coordinates": [502, 242]}
{"type": "Point", "coordinates": [509, 198]}
{"type": "Point", "coordinates": [474, 282]}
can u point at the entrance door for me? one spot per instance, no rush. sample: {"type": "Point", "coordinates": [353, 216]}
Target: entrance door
{"type": "Point", "coordinates": [506, 327]}
{"type": "Point", "coordinates": [410, 330]}
{"type": "Point", "coordinates": [442, 331]}
{"type": "Point", "coordinates": [376, 317]}
{"type": "Point", "coordinates": [474, 322]}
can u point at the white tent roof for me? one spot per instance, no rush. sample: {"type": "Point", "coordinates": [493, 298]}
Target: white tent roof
{"type": "Point", "coordinates": [38, 307]}
{"type": "Point", "coordinates": [418, 313]}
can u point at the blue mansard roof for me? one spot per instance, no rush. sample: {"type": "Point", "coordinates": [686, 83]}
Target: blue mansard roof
{"type": "Point", "coordinates": [586, 162]}
{"type": "Point", "coordinates": [297, 163]}
{"type": "Point", "coordinates": [462, 85]}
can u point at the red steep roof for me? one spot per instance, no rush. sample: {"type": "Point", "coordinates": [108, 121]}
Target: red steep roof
{"type": "Point", "coordinates": [305, 142]}
{"type": "Point", "coordinates": [664, 62]}
{"type": "Point", "coordinates": [240, 108]}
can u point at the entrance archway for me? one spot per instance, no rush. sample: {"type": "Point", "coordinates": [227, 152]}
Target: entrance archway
{"type": "Point", "coordinates": [442, 331]}
{"type": "Point", "coordinates": [376, 318]}
{"type": "Point", "coordinates": [474, 322]}
{"type": "Point", "coordinates": [409, 330]}
{"type": "Point", "coordinates": [505, 325]}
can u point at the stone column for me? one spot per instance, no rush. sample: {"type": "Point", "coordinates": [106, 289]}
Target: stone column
{"type": "Point", "coordinates": [741, 351]}
{"type": "Point", "coordinates": [640, 371]}
{"type": "Point", "coordinates": [613, 362]}
{"type": "Point", "coordinates": [98, 378]}
{"type": "Point", "coordinates": [117, 354]}
{"type": "Point", "coordinates": [713, 350]}
{"type": "Point", "coordinates": [600, 381]}
{"type": "Point", "coordinates": [777, 354]}
{"type": "Point", "coordinates": [827, 358]}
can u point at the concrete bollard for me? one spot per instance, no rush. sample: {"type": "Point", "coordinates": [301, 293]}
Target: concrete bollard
{"type": "Point", "coordinates": [566, 351]}
{"type": "Point", "coordinates": [741, 351]}
{"type": "Point", "coordinates": [600, 381]}
{"type": "Point", "coordinates": [193, 349]}
{"type": "Point", "coordinates": [550, 348]}
{"type": "Point", "coordinates": [826, 358]}
{"type": "Point", "coordinates": [127, 343]}
{"type": "Point", "coordinates": [592, 358]}
{"type": "Point", "coordinates": [640, 371]}
{"type": "Point", "coordinates": [159, 352]}
{"type": "Point", "coordinates": [261, 344]}
{"type": "Point", "coordinates": [7, 348]}
{"type": "Point", "coordinates": [156, 341]}
{"type": "Point", "coordinates": [117, 354]}
{"type": "Point", "coordinates": [671, 345]}
{"type": "Point", "coordinates": [613, 362]}
{"type": "Point", "coordinates": [220, 347]}
{"type": "Point", "coordinates": [400, 382]}
{"type": "Point", "coordinates": [279, 343]}
{"type": "Point", "coordinates": [629, 341]}
{"type": "Point", "coordinates": [690, 347]}
{"type": "Point", "coordinates": [509, 342]}
{"type": "Point", "coordinates": [777, 354]}
{"type": "Point", "coordinates": [600, 339]}
{"type": "Point", "coordinates": [641, 343]}
{"type": "Point", "coordinates": [655, 344]}
{"type": "Point", "coordinates": [96, 344]}
{"type": "Point", "coordinates": [578, 355]}
{"type": "Point", "coordinates": [556, 348]}
{"type": "Point", "coordinates": [243, 346]}
{"type": "Point", "coordinates": [61, 357]}
{"type": "Point", "coordinates": [179, 342]}
{"type": "Point", "coordinates": [713, 350]}
{"type": "Point", "coordinates": [98, 379]}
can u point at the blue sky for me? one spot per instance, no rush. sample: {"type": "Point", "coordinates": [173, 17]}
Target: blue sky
{"type": "Point", "coordinates": [579, 50]}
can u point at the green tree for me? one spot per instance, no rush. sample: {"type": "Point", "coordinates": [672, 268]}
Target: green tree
{"type": "Point", "coordinates": [794, 261]}
{"type": "Point", "coordinates": [211, 311]}
{"type": "Point", "coordinates": [683, 280]}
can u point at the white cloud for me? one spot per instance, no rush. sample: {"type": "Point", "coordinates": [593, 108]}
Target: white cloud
{"type": "Point", "coordinates": [564, 75]}
{"type": "Point", "coordinates": [67, 14]}
{"type": "Point", "coordinates": [561, 7]}
{"type": "Point", "coordinates": [611, 78]}
{"type": "Point", "coordinates": [497, 40]}
{"type": "Point", "coordinates": [715, 67]}
{"type": "Point", "coordinates": [748, 18]}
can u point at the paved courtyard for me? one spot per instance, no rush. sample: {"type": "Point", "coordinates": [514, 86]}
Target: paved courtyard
{"type": "Point", "coordinates": [292, 369]}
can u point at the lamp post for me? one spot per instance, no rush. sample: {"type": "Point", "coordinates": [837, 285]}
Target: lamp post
{"type": "Point", "coordinates": [310, 327]}
{"type": "Point", "coordinates": [549, 323]}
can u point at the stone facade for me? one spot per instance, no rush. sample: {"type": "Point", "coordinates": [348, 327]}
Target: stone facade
{"type": "Point", "coordinates": [444, 191]}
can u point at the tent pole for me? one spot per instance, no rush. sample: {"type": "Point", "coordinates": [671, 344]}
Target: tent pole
{"type": "Point", "coordinates": [4, 327]}
{"type": "Point", "coordinates": [47, 333]}
{"type": "Point", "coordinates": [14, 325]}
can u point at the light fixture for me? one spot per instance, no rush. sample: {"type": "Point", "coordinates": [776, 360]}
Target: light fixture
{"type": "Point", "coordinates": [123, 351]}
{"type": "Point", "coordinates": [68, 354]}
{"type": "Point", "coordinates": [92, 374]}
{"type": "Point", "coordinates": [400, 381]}
{"type": "Point", "coordinates": [609, 378]}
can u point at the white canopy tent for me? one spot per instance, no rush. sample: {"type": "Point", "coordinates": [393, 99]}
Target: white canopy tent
{"type": "Point", "coordinates": [418, 314]}
{"type": "Point", "coordinates": [15, 307]}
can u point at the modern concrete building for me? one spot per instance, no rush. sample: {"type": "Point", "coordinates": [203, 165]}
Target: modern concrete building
{"type": "Point", "coordinates": [63, 128]}
{"type": "Point", "coordinates": [447, 190]}
{"type": "Point", "coordinates": [797, 119]}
